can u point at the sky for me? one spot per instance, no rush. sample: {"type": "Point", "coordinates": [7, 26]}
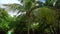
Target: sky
{"type": "Point", "coordinates": [12, 1]}
{"type": "Point", "coordinates": [8, 1]}
{"type": "Point", "coordinates": [42, 1]}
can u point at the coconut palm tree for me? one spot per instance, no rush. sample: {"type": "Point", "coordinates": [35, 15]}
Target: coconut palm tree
{"type": "Point", "coordinates": [35, 11]}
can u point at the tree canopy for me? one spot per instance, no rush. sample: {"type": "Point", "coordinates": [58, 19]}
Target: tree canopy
{"type": "Point", "coordinates": [36, 17]}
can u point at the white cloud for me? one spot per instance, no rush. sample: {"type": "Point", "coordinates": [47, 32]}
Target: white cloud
{"type": "Point", "coordinates": [9, 1]}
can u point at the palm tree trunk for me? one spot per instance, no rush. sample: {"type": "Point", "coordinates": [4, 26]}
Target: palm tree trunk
{"type": "Point", "coordinates": [33, 31]}
{"type": "Point", "coordinates": [28, 24]}
{"type": "Point", "coordinates": [28, 28]}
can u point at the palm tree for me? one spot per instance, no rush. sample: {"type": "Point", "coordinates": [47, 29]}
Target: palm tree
{"type": "Point", "coordinates": [28, 6]}
{"type": "Point", "coordinates": [33, 7]}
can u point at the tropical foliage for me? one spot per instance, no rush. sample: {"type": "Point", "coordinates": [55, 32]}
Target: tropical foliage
{"type": "Point", "coordinates": [36, 18]}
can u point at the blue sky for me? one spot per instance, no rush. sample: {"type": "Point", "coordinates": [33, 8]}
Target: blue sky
{"type": "Point", "coordinates": [42, 1]}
